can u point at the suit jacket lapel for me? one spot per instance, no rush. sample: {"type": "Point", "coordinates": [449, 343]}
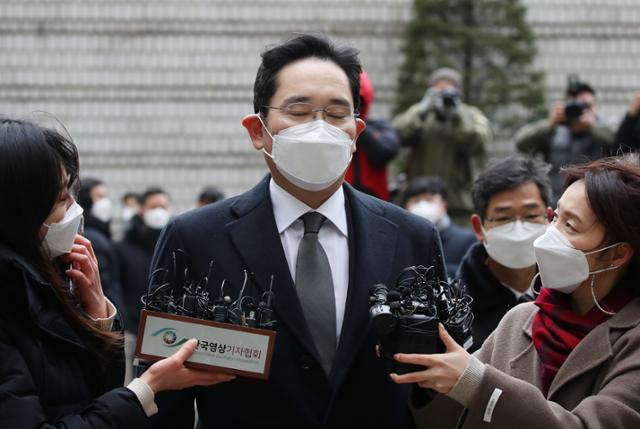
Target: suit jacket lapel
{"type": "Point", "coordinates": [372, 246]}
{"type": "Point", "coordinates": [256, 238]}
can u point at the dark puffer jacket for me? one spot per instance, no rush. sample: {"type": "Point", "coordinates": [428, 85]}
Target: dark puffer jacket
{"type": "Point", "coordinates": [48, 376]}
{"type": "Point", "coordinates": [491, 300]}
{"type": "Point", "coordinates": [134, 258]}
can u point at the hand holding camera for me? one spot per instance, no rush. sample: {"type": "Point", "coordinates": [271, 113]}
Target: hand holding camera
{"type": "Point", "coordinates": [579, 116]}
{"type": "Point", "coordinates": [407, 316]}
{"type": "Point", "coordinates": [634, 110]}
{"type": "Point", "coordinates": [440, 372]}
{"type": "Point", "coordinates": [444, 102]}
{"type": "Point", "coordinates": [557, 116]}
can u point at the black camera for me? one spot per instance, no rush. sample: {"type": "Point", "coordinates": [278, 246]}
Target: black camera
{"type": "Point", "coordinates": [574, 109]}
{"type": "Point", "coordinates": [450, 98]}
{"type": "Point", "coordinates": [445, 103]}
{"type": "Point", "coordinates": [406, 317]}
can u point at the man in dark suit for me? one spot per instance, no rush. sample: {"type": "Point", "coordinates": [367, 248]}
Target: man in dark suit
{"type": "Point", "coordinates": [324, 372]}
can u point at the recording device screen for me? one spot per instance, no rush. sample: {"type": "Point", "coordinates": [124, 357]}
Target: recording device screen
{"type": "Point", "coordinates": [406, 315]}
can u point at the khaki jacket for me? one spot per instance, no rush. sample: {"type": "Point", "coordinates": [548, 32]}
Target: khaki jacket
{"type": "Point", "coordinates": [598, 386]}
{"type": "Point", "coordinates": [454, 150]}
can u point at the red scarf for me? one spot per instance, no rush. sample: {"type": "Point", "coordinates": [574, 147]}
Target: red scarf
{"type": "Point", "coordinates": [557, 330]}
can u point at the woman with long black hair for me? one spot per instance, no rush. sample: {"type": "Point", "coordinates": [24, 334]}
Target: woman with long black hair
{"type": "Point", "coordinates": [60, 347]}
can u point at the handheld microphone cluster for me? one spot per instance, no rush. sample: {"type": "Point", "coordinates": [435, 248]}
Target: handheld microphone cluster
{"type": "Point", "coordinates": [406, 316]}
{"type": "Point", "coordinates": [190, 298]}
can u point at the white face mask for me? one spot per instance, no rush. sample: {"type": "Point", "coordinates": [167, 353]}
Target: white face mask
{"type": "Point", "coordinates": [511, 245]}
{"type": "Point", "coordinates": [157, 218]}
{"type": "Point", "coordinates": [313, 155]}
{"type": "Point", "coordinates": [128, 213]}
{"type": "Point", "coordinates": [562, 266]}
{"type": "Point", "coordinates": [102, 209]}
{"type": "Point", "coordinates": [429, 210]}
{"type": "Point", "coordinates": [60, 235]}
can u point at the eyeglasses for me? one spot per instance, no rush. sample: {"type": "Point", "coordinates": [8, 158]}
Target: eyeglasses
{"type": "Point", "coordinates": [334, 114]}
{"type": "Point", "coordinates": [503, 220]}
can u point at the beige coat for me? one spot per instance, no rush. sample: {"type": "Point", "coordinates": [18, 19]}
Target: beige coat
{"type": "Point", "coordinates": [598, 386]}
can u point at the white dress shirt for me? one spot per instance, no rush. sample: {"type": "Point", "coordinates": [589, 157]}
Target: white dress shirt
{"type": "Point", "coordinates": [333, 237]}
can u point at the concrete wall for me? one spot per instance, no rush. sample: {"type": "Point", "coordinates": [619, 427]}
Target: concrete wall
{"type": "Point", "coordinates": [153, 91]}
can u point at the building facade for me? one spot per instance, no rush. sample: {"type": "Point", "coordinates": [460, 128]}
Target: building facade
{"type": "Point", "coordinates": [153, 91]}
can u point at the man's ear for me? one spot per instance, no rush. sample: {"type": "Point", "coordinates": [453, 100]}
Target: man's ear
{"type": "Point", "coordinates": [360, 126]}
{"type": "Point", "coordinates": [476, 223]}
{"type": "Point", "coordinates": [256, 131]}
{"type": "Point", "coordinates": [549, 214]}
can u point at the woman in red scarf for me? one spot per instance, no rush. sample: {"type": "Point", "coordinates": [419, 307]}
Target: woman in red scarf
{"type": "Point", "coordinates": [571, 359]}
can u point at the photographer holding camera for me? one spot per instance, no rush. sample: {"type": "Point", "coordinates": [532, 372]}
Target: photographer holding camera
{"type": "Point", "coordinates": [446, 138]}
{"type": "Point", "coordinates": [571, 134]}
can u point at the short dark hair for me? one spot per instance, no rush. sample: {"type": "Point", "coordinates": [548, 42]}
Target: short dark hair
{"type": "Point", "coordinates": [84, 193]}
{"type": "Point", "coordinates": [150, 192]}
{"type": "Point", "coordinates": [508, 173]}
{"type": "Point", "coordinates": [580, 87]}
{"type": "Point", "coordinates": [435, 185]}
{"type": "Point", "coordinates": [210, 195]}
{"type": "Point", "coordinates": [298, 47]}
{"type": "Point", "coordinates": [128, 195]}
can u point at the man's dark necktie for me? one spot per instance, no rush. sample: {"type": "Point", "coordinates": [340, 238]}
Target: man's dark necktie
{"type": "Point", "coordinates": [314, 285]}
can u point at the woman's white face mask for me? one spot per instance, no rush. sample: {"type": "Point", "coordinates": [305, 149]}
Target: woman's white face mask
{"type": "Point", "coordinates": [312, 155]}
{"type": "Point", "coordinates": [61, 235]}
{"type": "Point", "coordinates": [511, 244]}
{"type": "Point", "coordinates": [562, 266]}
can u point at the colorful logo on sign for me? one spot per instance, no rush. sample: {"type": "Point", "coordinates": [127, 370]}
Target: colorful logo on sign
{"type": "Point", "coordinates": [169, 337]}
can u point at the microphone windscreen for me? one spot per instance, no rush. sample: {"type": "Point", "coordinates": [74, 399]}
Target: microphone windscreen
{"type": "Point", "coordinates": [394, 295]}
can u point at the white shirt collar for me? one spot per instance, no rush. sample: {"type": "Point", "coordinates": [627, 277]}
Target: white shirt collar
{"type": "Point", "coordinates": [287, 208]}
{"type": "Point", "coordinates": [519, 294]}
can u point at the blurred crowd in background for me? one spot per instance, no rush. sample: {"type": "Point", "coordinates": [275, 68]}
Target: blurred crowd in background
{"type": "Point", "coordinates": [139, 86]}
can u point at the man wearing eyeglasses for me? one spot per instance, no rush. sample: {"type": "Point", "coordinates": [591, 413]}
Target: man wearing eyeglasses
{"type": "Point", "coordinates": [325, 244]}
{"type": "Point", "coordinates": [511, 200]}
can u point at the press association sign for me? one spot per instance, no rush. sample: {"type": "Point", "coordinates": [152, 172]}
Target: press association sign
{"type": "Point", "coordinates": [229, 348]}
